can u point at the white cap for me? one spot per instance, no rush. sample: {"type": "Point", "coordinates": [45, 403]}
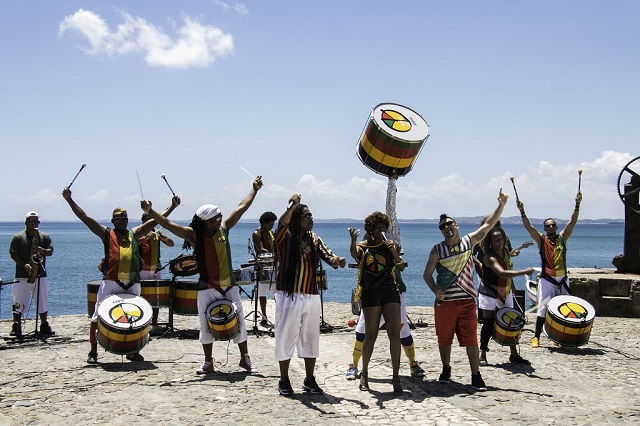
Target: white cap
{"type": "Point", "coordinates": [31, 214]}
{"type": "Point", "coordinates": [208, 211]}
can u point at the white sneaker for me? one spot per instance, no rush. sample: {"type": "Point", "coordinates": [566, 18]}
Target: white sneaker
{"type": "Point", "coordinates": [245, 362]}
{"type": "Point", "coordinates": [207, 367]}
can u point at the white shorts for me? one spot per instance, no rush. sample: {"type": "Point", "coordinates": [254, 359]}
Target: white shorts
{"type": "Point", "coordinates": [208, 296]}
{"type": "Point", "coordinates": [297, 325]}
{"type": "Point", "coordinates": [150, 275]}
{"type": "Point", "coordinates": [21, 292]}
{"type": "Point", "coordinates": [109, 287]}
{"type": "Point", "coordinates": [265, 288]}
{"type": "Point", "coordinates": [491, 304]}
{"type": "Point", "coordinates": [404, 332]}
{"type": "Point", "coordinates": [546, 292]}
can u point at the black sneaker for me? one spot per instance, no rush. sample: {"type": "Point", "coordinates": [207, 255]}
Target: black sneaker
{"type": "Point", "coordinates": [135, 357]}
{"type": "Point", "coordinates": [445, 376]}
{"type": "Point", "coordinates": [264, 323]}
{"type": "Point", "coordinates": [284, 387]}
{"type": "Point", "coordinates": [16, 330]}
{"type": "Point", "coordinates": [45, 329]}
{"type": "Point", "coordinates": [92, 358]}
{"type": "Point", "coordinates": [477, 383]}
{"type": "Point", "coordinates": [310, 385]}
{"type": "Point", "coordinates": [517, 359]}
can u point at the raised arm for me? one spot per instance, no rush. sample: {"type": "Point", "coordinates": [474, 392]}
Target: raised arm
{"type": "Point", "coordinates": [90, 222]}
{"type": "Point", "coordinates": [180, 231]}
{"type": "Point", "coordinates": [285, 219]}
{"type": "Point", "coordinates": [353, 233]}
{"type": "Point", "coordinates": [235, 216]}
{"type": "Point", "coordinates": [535, 235]}
{"type": "Point", "coordinates": [568, 230]}
{"type": "Point", "coordinates": [142, 230]}
{"type": "Point", "coordinates": [478, 235]}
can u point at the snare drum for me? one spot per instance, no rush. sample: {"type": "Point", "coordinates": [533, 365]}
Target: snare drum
{"type": "Point", "coordinates": [321, 280]}
{"type": "Point", "coordinates": [223, 319]}
{"type": "Point", "coordinates": [185, 296]}
{"type": "Point", "coordinates": [247, 276]}
{"type": "Point", "coordinates": [392, 139]}
{"type": "Point", "coordinates": [184, 265]}
{"type": "Point", "coordinates": [156, 292]}
{"type": "Point", "coordinates": [123, 323]}
{"type": "Point", "coordinates": [92, 296]}
{"type": "Point", "coordinates": [508, 326]}
{"type": "Point", "coordinates": [266, 259]}
{"type": "Point", "coordinates": [569, 320]}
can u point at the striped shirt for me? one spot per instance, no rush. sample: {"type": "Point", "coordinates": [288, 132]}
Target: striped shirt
{"type": "Point", "coordinates": [214, 262]}
{"type": "Point", "coordinates": [455, 270]}
{"type": "Point", "coordinates": [150, 252]}
{"type": "Point", "coordinates": [311, 249]}
{"type": "Point", "coordinates": [122, 257]}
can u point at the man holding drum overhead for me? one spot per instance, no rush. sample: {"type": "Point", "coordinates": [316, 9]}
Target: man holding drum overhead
{"type": "Point", "coordinates": [208, 235]}
{"type": "Point", "coordinates": [553, 253]}
{"type": "Point", "coordinates": [263, 243]}
{"type": "Point", "coordinates": [122, 261]}
{"type": "Point", "coordinates": [455, 309]}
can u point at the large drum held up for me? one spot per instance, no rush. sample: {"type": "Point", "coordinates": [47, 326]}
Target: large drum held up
{"type": "Point", "coordinates": [92, 295]}
{"type": "Point", "coordinates": [507, 326]}
{"type": "Point", "coordinates": [185, 296]}
{"type": "Point", "coordinates": [123, 323]}
{"type": "Point", "coordinates": [156, 292]}
{"type": "Point", "coordinates": [223, 319]}
{"type": "Point", "coordinates": [392, 139]}
{"type": "Point", "coordinates": [569, 320]}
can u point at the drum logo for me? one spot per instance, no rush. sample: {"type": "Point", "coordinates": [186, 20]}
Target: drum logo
{"type": "Point", "coordinates": [573, 310]}
{"type": "Point", "coordinates": [125, 313]}
{"type": "Point", "coordinates": [512, 318]}
{"type": "Point", "coordinates": [221, 311]}
{"type": "Point", "coordinates": [394, 120]}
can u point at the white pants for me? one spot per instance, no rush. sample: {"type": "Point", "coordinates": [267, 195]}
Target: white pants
{"type": "Point", "coordinates": [547, 291]}
{"type": "Point", "coordinates": [297, 325]}
{"type": "Point", "coordinates": [21, 292]}
{"type": "Point", "coordinates": [109, 287]}
{"type": "Point", "coordinates": [404, 332]}
{"type": "Point", "coordinates": [491, 303]}
{"type": "Point", "coordinates": [208, 296]}
{"type": "Point", "coordinates": [150, 275]}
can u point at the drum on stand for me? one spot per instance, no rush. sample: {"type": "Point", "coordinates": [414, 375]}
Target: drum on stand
{"type": "Point", "coordinates": [184, 265]}
{"type": "Point", "coordinates": [247, 276]}
{"type": "Point", "coordinates": [507, 326]}
{"type": "Point", "coordinates": [92, 295]}
{"type": "Point", "coordinates": [185, 296]}
{"type": "Point", "coordinates": [321, 280]}
{"type": "Point", "coordinates": [123, 323]}
{"type": "Point", "coordinates": [223, 319]}
{"type": "Point", "coordinates": [392, 139]}
{"type": "Point", "coordinates": [156, 292]}
{"type": "Point", "coordinates": [569, 320]}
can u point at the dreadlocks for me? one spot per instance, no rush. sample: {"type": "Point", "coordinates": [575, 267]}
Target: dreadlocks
{"type": "Point", "coordinates": [295, 247]}
{"type": "Point", "coordinates": [197, 225]}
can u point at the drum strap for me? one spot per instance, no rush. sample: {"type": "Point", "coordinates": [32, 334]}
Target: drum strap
{"type": "Point", "coordinates": [125, 286]}
{"type": "Point", "coordinates": [552, 280]}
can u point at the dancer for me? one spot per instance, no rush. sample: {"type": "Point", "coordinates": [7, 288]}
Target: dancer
{"type": "Point", "coordinates": [29, 249]}
{"type": "Point", "coordinates": [496, 289]}
{"type": "Point", "coordinates": [455, 308]}
{"type": "Point", "coordinates": [377, 259]}
{"type": "Point", "coordinates": [121, 265]}
{"type": "Point", "coordinates": [263, 240]}
{"type": "Point", "coordinates": [553, 254]}
{"type": "Point", "coordinates": [149, 247]}
{"type": "Point", "coordinates": [406, 339]}
{"type": "Point", "coordinates": [208, 235]}
{"type": "Point", "coordinates": [297, 297]}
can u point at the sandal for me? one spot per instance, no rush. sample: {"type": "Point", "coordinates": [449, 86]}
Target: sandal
{"type": "Point", "coordinates": [364, 381]}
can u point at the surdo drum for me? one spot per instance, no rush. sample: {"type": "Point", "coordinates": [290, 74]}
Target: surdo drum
{"type": "Point", "coordinates": [92, 295]}
{"type": "Point", "coordinates": [392, 139]}
{"type": "Point", "coordinates": [185, 297]}
{"type": "Point", "coordinates": [156, 292]}
{"type": "Point", "coordinates": [569, 320]}
{"type": "Point", "coordinates": [123, 323]}
{"type": "Point", "coordinates": [507, 326]}
{"type": "Point", "coordinates": [223, 319]}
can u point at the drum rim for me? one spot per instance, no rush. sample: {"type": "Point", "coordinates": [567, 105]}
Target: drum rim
{"type": "Point", "coordinates": [498, 318]}
{"type": "Point", "coordinates": [563, 298]}
{"type": "Point", "coordinates": [384, 128]}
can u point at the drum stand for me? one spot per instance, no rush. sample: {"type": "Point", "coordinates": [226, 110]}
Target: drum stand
{"type": "Point", "coordinates": [258, 268]}
{"type": "Point", "coordinates": [324, 326]}
{"type": "Point", "coordinates": [36, 334]}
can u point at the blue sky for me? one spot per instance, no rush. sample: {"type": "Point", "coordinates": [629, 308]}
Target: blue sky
{"type": "Point", "coordinates": [198, 90]}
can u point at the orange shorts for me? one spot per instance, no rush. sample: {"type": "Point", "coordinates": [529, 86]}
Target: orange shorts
{"type": "Point", "coordinates": [459, 317]}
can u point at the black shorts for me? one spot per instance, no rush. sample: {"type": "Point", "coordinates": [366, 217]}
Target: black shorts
{"type": "Point", "coordinates": [379, 296]}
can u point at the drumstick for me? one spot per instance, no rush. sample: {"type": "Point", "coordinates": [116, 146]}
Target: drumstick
{"type": "Point", "coordinates": [74, 178]}
{"type": "Point", "coordinates": [140, 185]}
{"type": "Point", "coordinates": [579, 179]}
{"type": "Point", "coordinates": [513, 182]}
{"type": "Point", "coordinates": [167, 182]}
{"type": "Point", "coordinates": [247, 172]}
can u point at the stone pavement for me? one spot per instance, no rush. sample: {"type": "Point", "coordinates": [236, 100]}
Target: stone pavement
{"type": "Point", "coordinates": [50, 383]}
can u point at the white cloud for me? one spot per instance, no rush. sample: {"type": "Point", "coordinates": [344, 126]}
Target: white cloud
{"type": "Point", "coordinates": [193, 45]}
{"type": "Point", "coordinates": [239, 8]}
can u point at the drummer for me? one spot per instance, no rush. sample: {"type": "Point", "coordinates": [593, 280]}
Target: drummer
{"type": "Point", "coordinates": [263, 243]}
{"type": "Point", "coordinates": [149, 247]}
{"type": "Point", "coordinates": [122, 265]}
{"type": "Point", "coordinates": [496, 288]}
{"type": "Point", "coordinates": [208, 235]}
{"type": "Point", "coordinates": [553, 253]}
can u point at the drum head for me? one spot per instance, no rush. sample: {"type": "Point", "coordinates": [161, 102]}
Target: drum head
{"type": "Point", "coordinates": [219, 310]}
{"type": "Point", "coordinates": [184, 265]}
{"type": "Point", "coordinates": [510, 318]}
{"type": "Point", "coordinates": [400, 122]}
{"type": "Point", "coordinates": [125, 311]}
{"type": "Point", "coordinates": [572, 309]}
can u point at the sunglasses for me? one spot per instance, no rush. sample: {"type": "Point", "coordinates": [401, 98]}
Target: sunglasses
{"type": "Point", "coordinates": [553, 225]}
{"type": "Point", "coordinates": [446, 224]}
{"type": "Point", "coordinates": [307, 215]}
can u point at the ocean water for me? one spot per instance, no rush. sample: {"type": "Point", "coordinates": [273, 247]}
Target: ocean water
{"type": "Point", "coordinates": [77, 252]}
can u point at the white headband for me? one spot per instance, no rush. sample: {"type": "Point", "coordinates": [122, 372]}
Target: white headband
{"type": "Point", "coordinates": [208, 211]}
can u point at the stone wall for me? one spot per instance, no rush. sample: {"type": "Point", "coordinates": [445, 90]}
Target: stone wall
{"type": "Point", "coordinates": [611, 294]}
